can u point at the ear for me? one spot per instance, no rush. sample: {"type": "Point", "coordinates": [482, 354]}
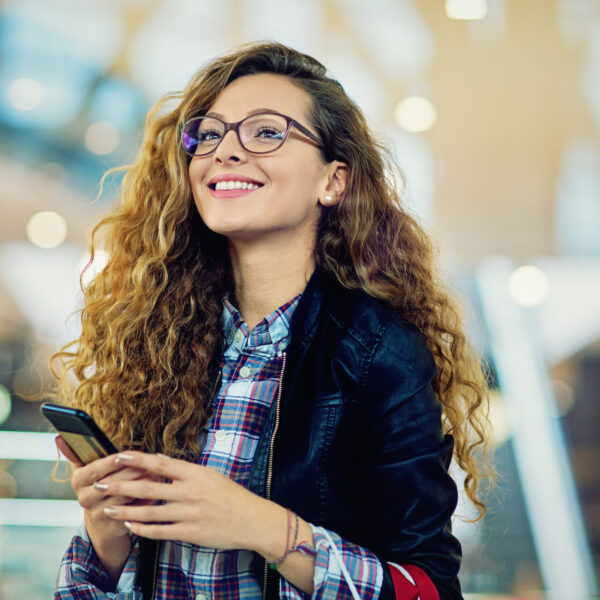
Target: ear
{"type": "Point", "coordinates": [335, 186]}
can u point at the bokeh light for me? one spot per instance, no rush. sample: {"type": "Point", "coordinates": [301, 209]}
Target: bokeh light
{"type": "Point", "coordinates": [564, 396]}
{"type": "Point", "coordinates": [25, 93]}
{"type": "Point", "coordinates": [528, 285]}
{"type": "Point", "coordinates": [47, 229]}
{"type": "Point", "coordinates": [415, 114]}
{"type": "Point", "coordinates": [101, 138]}
{"type": "Point", "coordinates": [500, 419]}
{"type": "Point", "coordinates": [468, 10]}
{"type": "Point", "coordinates": [5, 404]}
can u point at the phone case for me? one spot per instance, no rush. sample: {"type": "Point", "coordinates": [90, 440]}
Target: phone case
{"type": "Point", "coordinates": [79, 431]}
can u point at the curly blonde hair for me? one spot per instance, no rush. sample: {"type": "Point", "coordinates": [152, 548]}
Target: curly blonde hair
{"type": "Point", "coordinates": [151, 323]}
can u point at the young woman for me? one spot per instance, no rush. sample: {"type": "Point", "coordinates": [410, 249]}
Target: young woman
{"type": "Point", "coordinates": [271, 351]}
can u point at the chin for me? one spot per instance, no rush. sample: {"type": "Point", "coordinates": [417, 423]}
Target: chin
{"type": "Point", "coordinates": [230, 229]}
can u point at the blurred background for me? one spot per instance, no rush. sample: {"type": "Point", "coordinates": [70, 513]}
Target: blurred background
{"type": "Point", "coordinates": [493, 110]}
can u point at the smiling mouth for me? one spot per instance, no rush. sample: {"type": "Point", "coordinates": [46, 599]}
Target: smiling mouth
{"type": "Point", "coordinates": [234, 185]}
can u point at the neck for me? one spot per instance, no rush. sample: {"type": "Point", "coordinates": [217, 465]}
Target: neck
{"type": "Point", "coordinates": [267, 275]}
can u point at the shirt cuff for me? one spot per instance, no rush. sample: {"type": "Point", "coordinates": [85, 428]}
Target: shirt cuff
{"type": "Point", "coordinates": [97, 574]}
{"type": "Point", "coordinates": [339, 566]}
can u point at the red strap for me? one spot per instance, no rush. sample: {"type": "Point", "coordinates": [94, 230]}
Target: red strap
{"type": "Point", "coordinates": [405, 590]}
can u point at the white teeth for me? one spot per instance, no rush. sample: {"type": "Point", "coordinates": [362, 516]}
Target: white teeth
{"type": "Point", "coordinates": [236, 185]}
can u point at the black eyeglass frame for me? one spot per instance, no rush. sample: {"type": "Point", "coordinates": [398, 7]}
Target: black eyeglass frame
{"type": "Point", "coordinates": [236, 127]}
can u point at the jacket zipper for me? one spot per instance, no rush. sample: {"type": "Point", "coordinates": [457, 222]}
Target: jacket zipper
{"type": "Point", "coordinates": [270, 463]}
{"type": "Point", "coordinates": [157, 542]}
{"type": "Point", "coordinates": [155, 568]}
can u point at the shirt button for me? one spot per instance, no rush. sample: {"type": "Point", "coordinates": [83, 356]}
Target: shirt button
{"type": "Point", "coordinates": [245, 372]}
{"type": "Point", "coordinates": [220, 435]}
{"type": "Point", "coordinates": [238, 337]}
{"type": "Point", "coordinates": [283, 345]}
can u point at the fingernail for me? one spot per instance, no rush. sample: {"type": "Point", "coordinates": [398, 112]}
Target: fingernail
{"type": "Point", "coordinates": [110, 511]}
{"type": "Point", "coordinates": [101, 486]}
{"type": "Point", "coordinates": [127, 524]}
{"type": "Point", "coordinates": [162, 455]}
{"type": "Point", "coordinates": [123, 458]}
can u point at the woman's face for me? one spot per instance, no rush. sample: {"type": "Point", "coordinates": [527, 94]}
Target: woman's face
{"type": "Point", "coordinates": [290, 180]}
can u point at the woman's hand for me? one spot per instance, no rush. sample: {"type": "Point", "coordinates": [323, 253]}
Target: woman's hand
{"type": "Point", "coordinates": [201, 506]}
{"type": "Point", "coordinates": [110, 538]}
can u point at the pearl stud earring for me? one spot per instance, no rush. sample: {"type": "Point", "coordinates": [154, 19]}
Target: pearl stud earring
{"type": "Point", "coordinates": [328, 199]}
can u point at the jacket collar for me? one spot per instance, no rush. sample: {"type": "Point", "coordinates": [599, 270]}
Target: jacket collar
{"type": "Point", "coordinates": [307, 312]}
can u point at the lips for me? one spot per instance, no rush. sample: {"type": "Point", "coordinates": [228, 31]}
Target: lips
{"type": "Point", "coordinates": [228, 181]}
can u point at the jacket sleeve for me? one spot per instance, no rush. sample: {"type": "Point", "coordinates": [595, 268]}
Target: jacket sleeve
{"type": "Point", "coordinates": [404, 473]}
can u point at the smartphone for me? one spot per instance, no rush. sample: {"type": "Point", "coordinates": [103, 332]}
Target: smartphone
{"type": "Point", "coordinates": [79, 431]}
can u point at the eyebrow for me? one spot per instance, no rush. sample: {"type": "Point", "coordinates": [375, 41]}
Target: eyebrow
{"type": "Point", "coordinates": [252, 112]}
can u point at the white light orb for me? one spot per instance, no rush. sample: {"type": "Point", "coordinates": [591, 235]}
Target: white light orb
{"type": "Point", "coordinates": [101, 138]}
{"type": "Point", "coordinates": [466, 10]}
{"type": "Point", "coordinates": [5, 404]}
{"type": "Point", "coordinates": [564, 396]}
{"type": "Point", "coordinates": [25, 94]}
{"type": "Point", "coordinates": [528, 285]}
{"type": "Point", "coordinates": [415, 114]}
{"type": "Point", "coordinates": [499, 418]}
{"type": "Point", "coordinates": [47, 229]}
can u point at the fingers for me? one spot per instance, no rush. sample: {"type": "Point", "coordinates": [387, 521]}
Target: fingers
{"type": "Point", "coordinates": [131, 478]}
{"type": "Point", "coordinates": [105, 486]}
{"type": "Point", "coordinates": [150, 513]}
{"type": "Point", "coordinates": [154, 531]}
{"type": "Point", "coordinates": [169, 468]}
{"type": "Point", "coordinates": [126, 474]}
{"type": "Point", "coordinates": [141, 489]}
{"type": "Point", "coordinates": [65, 449]}
{"type": "Point", "coordinates": [157, 521]}
{"type": "Point", "coordinates": [89, 474]}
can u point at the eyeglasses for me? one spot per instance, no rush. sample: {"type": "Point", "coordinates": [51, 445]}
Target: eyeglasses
{"type": "Point", "coordinates": [259, 134]}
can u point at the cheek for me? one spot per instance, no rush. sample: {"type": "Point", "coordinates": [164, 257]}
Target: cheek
{"type": "Point", "coordinates": [303, 182]}
{"type": "Point", "coordinates": [196, 177]}
{"type": "Point", "coordinates": [194, 173]}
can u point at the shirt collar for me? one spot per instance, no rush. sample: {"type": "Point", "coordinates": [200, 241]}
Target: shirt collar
{"type": "Point", "coordinates": [273, 330]}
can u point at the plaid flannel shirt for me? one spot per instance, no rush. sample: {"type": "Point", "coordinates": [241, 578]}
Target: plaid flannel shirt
{"type": "Point", "coordinates": [251, 364]}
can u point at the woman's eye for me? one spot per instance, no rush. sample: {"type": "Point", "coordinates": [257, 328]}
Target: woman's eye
{"type": "Point", "coordinates": [208, 135]}
{"type": "Point", "coordinates": [269, 132]}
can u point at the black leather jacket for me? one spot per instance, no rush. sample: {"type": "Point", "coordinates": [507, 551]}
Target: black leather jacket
{"type": "Point", "coordinates": [355, 443]}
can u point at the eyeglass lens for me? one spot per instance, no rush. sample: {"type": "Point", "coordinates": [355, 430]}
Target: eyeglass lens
{"type": "Point", "coordinates": [257, 133]}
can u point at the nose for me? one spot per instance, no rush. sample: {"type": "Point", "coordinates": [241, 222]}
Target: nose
{"type": "Point", "coordinates": [230, 149]}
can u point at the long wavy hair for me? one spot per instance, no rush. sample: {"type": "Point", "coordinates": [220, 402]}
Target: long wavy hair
{"type": "Point", "coordinates": [144, 364]}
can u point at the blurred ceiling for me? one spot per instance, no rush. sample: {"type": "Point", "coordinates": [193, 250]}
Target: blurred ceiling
{"type": "Point", "coordinates": [511, 165]}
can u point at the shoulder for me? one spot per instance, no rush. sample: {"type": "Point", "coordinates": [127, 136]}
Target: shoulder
{"type": "Point", "coordinates": [372, 322]}
{"type": "Point", "coordinates": [395, 350]}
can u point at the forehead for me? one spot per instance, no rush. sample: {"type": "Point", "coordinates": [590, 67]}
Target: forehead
{"type": "Point", "coordinates": [263, 90]}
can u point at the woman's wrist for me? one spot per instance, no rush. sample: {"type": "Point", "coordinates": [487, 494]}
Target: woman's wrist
{"type": "Point", "coordinates": [283, 532]}
{"type": "Point", "coordinates": [112, 551]}
{"type": "Point", "coordinates": [296, 562]}
{"type": "Point", "coordinates": [270, 542]}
